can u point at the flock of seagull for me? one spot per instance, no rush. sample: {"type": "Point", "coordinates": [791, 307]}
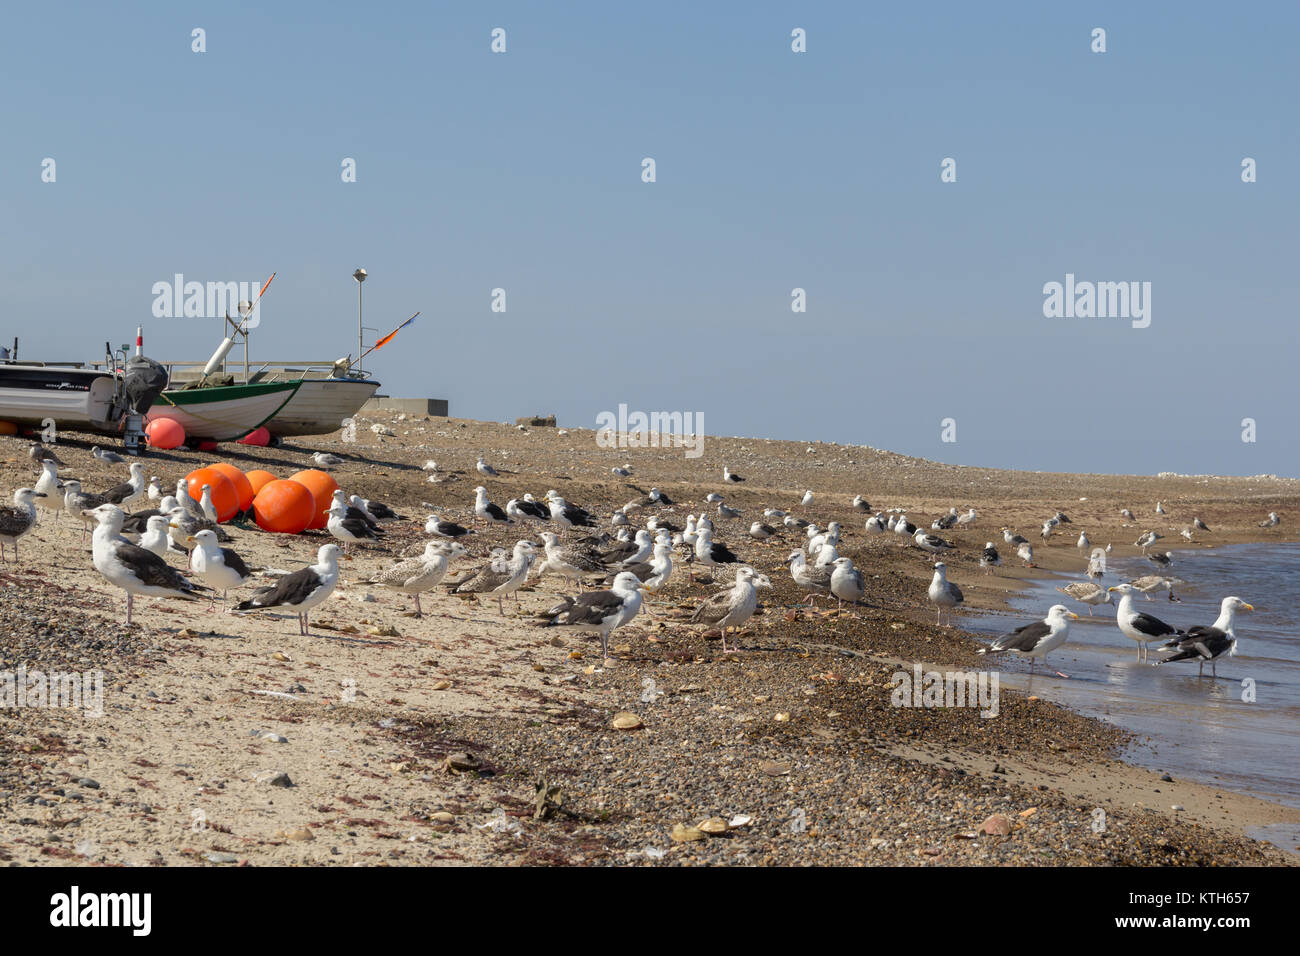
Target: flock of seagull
{"type": "Point", "coordinates": [131, 551]}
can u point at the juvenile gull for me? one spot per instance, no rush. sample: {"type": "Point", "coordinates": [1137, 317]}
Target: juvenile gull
{"type": "Point", "coordinates": [730, 608]}
{"type": "Point", "coordinates": [416, 575]}
{"type": "Point", "coordinates": [302, 590]}
{"type": "Point", "coordinates": [1147, 539]}
{"type": "Point", "coordinates": [1272, 521]}
{"type": "Point", "coordinates": [569, 561]}
{"type": "Point", "coordinates": [39, 452]}
{"type": "Point", "coordinates": [1037, 639]}
{"type": "Point", "coordinates": [1085, 592]}
{"type": "Point", "coordinates": [813, 580]}
{"type": "Point", "coordinates": [502, 575]}
{"type": "Point", "coordinates": [19, 519]}
{"type": "Point", "coordinates": [326, 460]}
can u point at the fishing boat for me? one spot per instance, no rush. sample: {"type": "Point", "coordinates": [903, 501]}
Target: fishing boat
{"type": "Point", "coordinates": [70, 394]}
{"type": "Point", "coordinates": [328, 392]}
{"type": "Point", "coordinates": [224, 412]}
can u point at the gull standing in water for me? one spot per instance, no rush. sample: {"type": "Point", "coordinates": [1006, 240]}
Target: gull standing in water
{"type": "Point", "coordinates": [1085, 592]}
{"type": "Point", "coordinates": [1201, 644]}
{"type": "Point", "coordinates": [1037, 639]}
{"type": "Point", "coordinates": [1137, 626]}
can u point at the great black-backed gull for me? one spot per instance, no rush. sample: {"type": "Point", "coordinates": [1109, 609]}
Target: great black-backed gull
{"type": "Point", "coordinates": [486, 510]}
{"type": "Point", "coordinates": [1161, 560]}
{"type": "Point", "coordinates": [1037, 639]}
{"type": "Point", "coordinates": [945, 522]}
{"type": "Point", "coordinates": [760, 531]}
{"type": "Point", "coordinates": [1085, 592]}
{"type": "Point", "coordinates": [599, 612]}
{"type": "Point", "coordinates": [1200, 525]}
{"type": "Point", "coordinates": [847, 583]}
{"type": "Point", "coordinates": [656, 572]}
{"type": "Point", "coordinates": [485, 469]}
{"type": "Point", "coordinates": [1201, 644]}
{"type": "Point", "coordinates": [943, 594]}
{"type": "Point", "coordinates": [1137, 626]}
{"type": "Point", "coordinates": [860, 503]}
{"type": "Point", "coordinates": [725, 511]}
{"type": "Point", "coordinates": [444, 529]}
{"type": "Point", "coordinates": [876, 524]}
{"type": "Point", "coordinates": [623, 472]}
{"type": "Point", "coordinates": [18, 520]}
{"type": "Point", "coordinates": [1160, 509]}
{"type": "Point", "coordinates": [1013, 539]}
{"type": "Point", "coordinates": [348, 528]}
{"type": "Point", "coordinates": [710, 553]}
{"type": "Point", "coordinates": [526, 510]}
{"type": "Point", "coordinates": [989, 557]}
{"type": "Point", "coordinates": [790, 521]}
{"type": "Point", "coordinates": [130, 567]}
{"type": "Point", "coordinates": [931, 542]}
{"type": "Point", "coordinates": [629, 552]}
{"type": "Point", "coordinates": [729, 478]}
{"type": "Point", "coordinates": [302, 590]}
{"type": "Point", "coordinates": [502, 575]}
{"type": "Point", "coordinates": [730, 608]}
{"type": "Point", "coordinates": [375, 510]}
{"type": "Point", "coordinates": [416, 575]}
{"type": "Point", "coordinates": [1126, 514]}
{"type": "Point", "coordinates": [568, 515]}
{"type": "Point", "coordinates": [108, 457]}
{"type": "Point", "coordinates": [217, 567]}
{"type": "Point", "coordinates": [128, 492]}
{"type": "Point", "coordinates": [814, 580]}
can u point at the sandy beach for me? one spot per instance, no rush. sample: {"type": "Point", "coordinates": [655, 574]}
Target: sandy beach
{"type": "Point", "coordinates": [469, 737]}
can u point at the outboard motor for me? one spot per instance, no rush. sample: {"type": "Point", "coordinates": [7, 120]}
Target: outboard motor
{"type": "Point", "coordinates": [143, 380]}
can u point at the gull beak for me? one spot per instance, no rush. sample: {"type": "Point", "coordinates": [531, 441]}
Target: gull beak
{"type": "Point", "coordinates": [41, 494]}
{"type": "Point", "coordinates": [172, 524]}
{"type": "Point", "coordinates": [1073, 615]}
{"type": "Point", "coordinates": [1108, 590]}
{"type": "Point", "coordinates": [188, 538]}
{"type": "Point", "coordinates": [1249, 607]}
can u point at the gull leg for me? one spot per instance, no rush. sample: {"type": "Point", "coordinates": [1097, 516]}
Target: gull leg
{"type": "Point", "coordinates": [129, 597]}
{"type": "Point", "coordinates": [418, 611]}
{"type": "Point", "coordinates": [500, 607]}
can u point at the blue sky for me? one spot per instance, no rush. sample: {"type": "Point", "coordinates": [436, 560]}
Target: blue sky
{"type": "Point", "coordinates": [775, 170]}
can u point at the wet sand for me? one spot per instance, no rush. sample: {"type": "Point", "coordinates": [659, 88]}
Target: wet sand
{"type": "Point", "coordinates": [423, 741]}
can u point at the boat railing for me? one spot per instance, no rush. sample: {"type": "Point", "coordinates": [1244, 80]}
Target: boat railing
{"type": "Point", "coordinates": [267, 371]}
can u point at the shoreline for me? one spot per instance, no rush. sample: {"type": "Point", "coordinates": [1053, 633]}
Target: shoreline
{"type": "Point", "coordinates": [797, 727]}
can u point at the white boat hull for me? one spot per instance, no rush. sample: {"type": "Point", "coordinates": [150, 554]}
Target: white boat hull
{"type": "Point", "coordinates": [320, 406]}
{"type": "Point", "coordinates": [221, 420]}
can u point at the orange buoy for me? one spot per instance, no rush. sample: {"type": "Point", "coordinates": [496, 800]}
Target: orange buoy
{"type": "Point", "coordinates": [8, 428]}
{"type": "Point", "coordinates": [322, 488]}
{"type": "Point", "coordinates": [165, 433]}
{"type": "Point", "coordinates": [224, 497]}
{"type": "Point", "coordinates": [258, 436]}
{"type": "Point", "coordinates": [243, 489]}
{"type": "Point", "coordinates": [257, 478]}
{"type": "Point", "coordinates": [284, 507]}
